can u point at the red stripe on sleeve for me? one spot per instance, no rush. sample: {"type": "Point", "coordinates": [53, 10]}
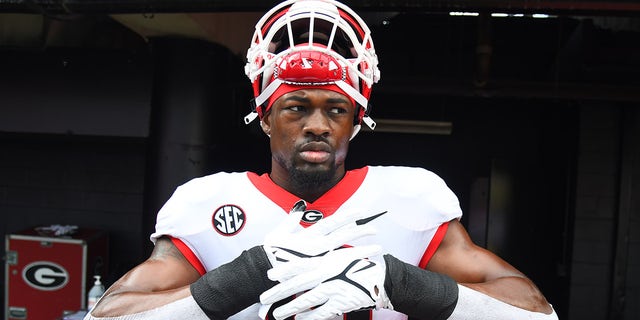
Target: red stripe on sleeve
{"type": "Point", "coordinates": [433, 245]}
{"type": "Point", "coordinates": [187, 253]}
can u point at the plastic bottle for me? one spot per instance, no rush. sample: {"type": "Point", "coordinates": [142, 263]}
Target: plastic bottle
{"type": "Point", "coordinates": [95, 293]}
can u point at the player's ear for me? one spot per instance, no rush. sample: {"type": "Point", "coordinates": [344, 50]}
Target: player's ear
{"type": "Point", "coordinates": [266, 127]}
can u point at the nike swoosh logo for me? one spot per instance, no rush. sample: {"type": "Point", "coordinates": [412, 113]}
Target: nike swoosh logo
{"type": "Point", "coordinates": [369, 219]}
{"type": "Point", "coordinates": [369, 265]}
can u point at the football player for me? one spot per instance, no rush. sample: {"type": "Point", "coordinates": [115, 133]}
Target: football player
{"type": "Point", "coordinates": [310, 239]}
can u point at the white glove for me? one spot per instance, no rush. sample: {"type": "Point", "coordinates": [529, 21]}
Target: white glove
{"type": "Point", "coordinates": [292, 249]}
{"type": "Point", "coordinates": [340, 282]}
{"type": "Point", "coordinates": [290, 241]}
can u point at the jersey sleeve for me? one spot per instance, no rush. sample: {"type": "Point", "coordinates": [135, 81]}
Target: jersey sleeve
{"type": "Point", "coordinates": [184, 216]}
{"type": "Point", "coordinates": [442, 198]}
{"type": "Point", "coordinates": [433, 245]}
{"type": "Point", "coordinates": [425, 198]}
{"type": "Point", "coordinates": [189, 255]}
{"type": "Point", "coordinates": [444, 204]}
{"type": "Point", "coordinates": [187, 212]}
{"type": "Point", "coordinates": [168, 218]}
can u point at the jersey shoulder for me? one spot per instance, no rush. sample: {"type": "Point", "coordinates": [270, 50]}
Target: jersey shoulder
{"type": "Point", "coordinates": [407, 177]}
{"type": "Point", "coordinates": [421, 190]}
{"type": "Point", "coordinates": [201, 188]}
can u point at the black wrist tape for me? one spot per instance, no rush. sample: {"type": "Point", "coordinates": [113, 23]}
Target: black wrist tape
{"type": "Point", "coordinates": [417, 292]}
{"type": "Point", "coordinates": [232, 287]}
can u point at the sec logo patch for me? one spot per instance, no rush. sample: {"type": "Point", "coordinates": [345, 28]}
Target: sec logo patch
{"type": "Point", "coordinates": [228, 219]}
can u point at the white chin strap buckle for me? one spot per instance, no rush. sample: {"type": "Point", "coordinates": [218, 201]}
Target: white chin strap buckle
{"type": "Point", "coordinates": [250, 117]}
{"type": "Point", "coordinates": [369, 122]}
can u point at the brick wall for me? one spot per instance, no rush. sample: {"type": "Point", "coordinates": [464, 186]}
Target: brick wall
{"type": "Point", "coordinates": [596, 199]}
{"type": "Point", "coordinates": [598, 208]}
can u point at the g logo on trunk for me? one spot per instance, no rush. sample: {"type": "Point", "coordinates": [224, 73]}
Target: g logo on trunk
{"type": "Point", "coordinates": [45, 275]}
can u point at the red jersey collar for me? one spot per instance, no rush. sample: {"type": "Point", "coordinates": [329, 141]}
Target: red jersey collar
{"type": "Point", "coordinates": [328, 203]}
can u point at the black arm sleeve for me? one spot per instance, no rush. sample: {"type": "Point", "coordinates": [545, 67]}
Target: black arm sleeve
{"type": "Point", "coordinates": [417, 292]}
{"type": "Point", "coordinates": [232, 287]}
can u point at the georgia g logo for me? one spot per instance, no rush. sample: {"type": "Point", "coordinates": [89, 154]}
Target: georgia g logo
{"type": "Point", "coordinates": [228, 219]}
{"type": "Point", "coordinates": [45, 275]}
{"type": "Point", "coordinates": [312, 216]}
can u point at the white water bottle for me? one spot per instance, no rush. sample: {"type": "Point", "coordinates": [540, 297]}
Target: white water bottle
{"type": "Point", "coordinates": [95, 293]}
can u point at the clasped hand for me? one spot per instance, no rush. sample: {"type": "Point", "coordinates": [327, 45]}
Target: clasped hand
{"type": "Point", "coordinates": [337, 279]}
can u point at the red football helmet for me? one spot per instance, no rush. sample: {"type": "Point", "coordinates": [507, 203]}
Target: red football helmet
{"type": "Point", "coordinates": [312, 44]}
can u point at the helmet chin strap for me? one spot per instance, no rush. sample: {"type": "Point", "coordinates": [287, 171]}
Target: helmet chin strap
{"type": "Point", "coordinates": [261, 99]}
{"type": "Point", "coordinates": [356, 129]}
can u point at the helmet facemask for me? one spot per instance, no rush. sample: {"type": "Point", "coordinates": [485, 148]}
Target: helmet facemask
{"type": "Point", "coordinates": [311, 43]}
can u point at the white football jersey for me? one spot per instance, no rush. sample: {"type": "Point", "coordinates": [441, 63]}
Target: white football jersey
{"type": "Point", "coordinates": [214, 218]}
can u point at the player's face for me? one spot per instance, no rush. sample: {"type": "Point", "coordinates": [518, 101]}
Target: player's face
{"type": "Point", "coordinates": [310, 131]}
